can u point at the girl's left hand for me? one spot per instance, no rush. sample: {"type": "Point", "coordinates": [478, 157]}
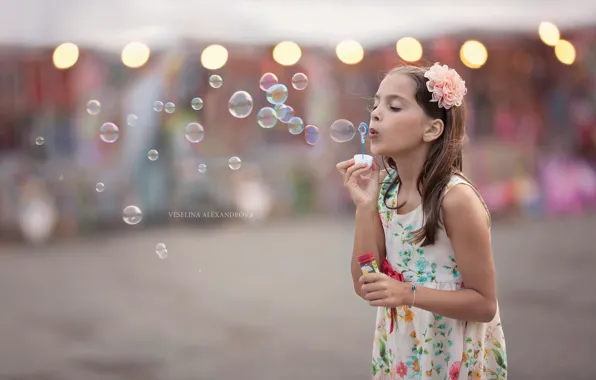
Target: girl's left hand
{"type": "Point", "coordinates": [381, 290]}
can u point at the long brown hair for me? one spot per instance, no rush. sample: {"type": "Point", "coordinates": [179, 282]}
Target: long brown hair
{"type": "Point", "coordinates": [444, 157]}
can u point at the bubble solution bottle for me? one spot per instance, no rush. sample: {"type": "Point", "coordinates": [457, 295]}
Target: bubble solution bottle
{"type": "Point", "coordinates": [367, 263]}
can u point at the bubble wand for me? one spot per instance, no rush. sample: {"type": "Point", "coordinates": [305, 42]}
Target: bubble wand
{"type": "Point", "coordinates": [363, 130]}
{"type": "Point", "coordinates": [363, 158]}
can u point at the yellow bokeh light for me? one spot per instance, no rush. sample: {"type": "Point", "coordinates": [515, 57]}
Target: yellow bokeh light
{"type": "Point", "coordinates": [214, 57]}
{"type": "Point", "coordinates": [549, 33]}
{"type": "Point", "coordinates": [349, 52]}
{"type": "Point", "coordinates": [473, 54]}
{"type": "Point", "coordinates": [65, 55]}
{"type": "Point", "coordinates": [287, 53]}
{"type": "Point", "coordinates": [565, 52]}
{"type": "Point", "coordinates": [135, 55]}
{"type": "Point", "coordinates": [409, 49]}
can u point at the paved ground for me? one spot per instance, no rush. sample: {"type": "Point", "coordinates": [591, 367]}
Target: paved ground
{"type": "Point", "coordinates": [265, 303]}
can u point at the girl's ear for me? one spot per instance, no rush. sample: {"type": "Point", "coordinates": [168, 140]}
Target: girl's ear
{"type": "Point", "coordinates": [434, 129]}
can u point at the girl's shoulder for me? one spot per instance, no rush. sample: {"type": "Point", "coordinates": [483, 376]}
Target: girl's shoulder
{"type": "Point", "coordinates": [460, 178]}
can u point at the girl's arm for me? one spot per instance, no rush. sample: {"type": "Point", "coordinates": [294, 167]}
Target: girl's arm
{"type": "Point", "coordinates": [466, 224]}
{"type": "Point", "coordinates": [369, 236]}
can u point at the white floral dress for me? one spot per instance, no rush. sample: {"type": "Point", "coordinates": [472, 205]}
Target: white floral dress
{"type": "Point", "coordinates": [412, 343]}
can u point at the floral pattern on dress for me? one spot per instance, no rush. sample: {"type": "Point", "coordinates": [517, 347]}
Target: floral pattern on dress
{"type": "Point", "coordinates": [412, 343]}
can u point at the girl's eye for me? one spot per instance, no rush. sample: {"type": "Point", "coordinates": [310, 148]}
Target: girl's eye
{"type": "Point", "coordinates": [396, 109]}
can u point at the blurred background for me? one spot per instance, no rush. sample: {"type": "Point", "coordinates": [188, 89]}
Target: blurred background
{"type": "Point", "coordinates": [234, 260]}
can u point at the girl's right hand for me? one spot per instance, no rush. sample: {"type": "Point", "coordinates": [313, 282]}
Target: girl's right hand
{"type": "Point", "coordinates": [362, 182]}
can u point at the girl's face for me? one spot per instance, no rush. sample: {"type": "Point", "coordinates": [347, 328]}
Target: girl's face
{"type": "Point", "coordinates": [398, 123]}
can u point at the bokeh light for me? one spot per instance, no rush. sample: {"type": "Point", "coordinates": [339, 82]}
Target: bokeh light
{"type": "Point", "coordinates": [349, 52]}
{"type": "Point", "coordinates": [409, 49]}
{"type": "Point", "coordinates": [214, 57]}
{"type": "Point", "coordinates": [565, 52]}
{"type": "Point", "coordinates": [287, 53]}
{"type": "Point", "coordinates": [65, 55]}
{"type": "Point", "coordinates": [549, 33]}
{"type": "Point", "coordinates": [135, 55]}
{"type": "Point", "coordinates": [473, 54]}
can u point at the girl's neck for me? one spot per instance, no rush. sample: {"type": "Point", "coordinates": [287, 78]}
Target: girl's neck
{"type": "Point", "coordinates": [409, 168]}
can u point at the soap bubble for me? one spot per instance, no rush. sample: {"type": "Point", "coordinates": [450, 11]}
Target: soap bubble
{"type": "Point", "coordinates": [267, 80]}
{"type": "Point", "coordinates": [158, 106]}
{"type": "Point", "coordinates": [132, 215]}
{"type": "Point", "coordinates": [109, 132]}
{"type": "Point", "coordinates": [196, 104]}
{"type": "Point", "coordinates": [161, 250]}
{"type": "Point", "coordinates": [266, 117]}
{"type": "Point", "coordinates": [202, 168]}
{"type": "Point", "coordinates": [215, 81]}
{"type": "Point", "coordinates": [100, 187]}
{"type": "Point", "coordinates": [342, 130]}
{"type": "Point", "coordinates": [240, 104]}
{"type": "Point", "coordinates": [93, 107]}
{"type": "Point", "coordinates": [131, 120]}
{"type": "Point", "coordinates": [39, 140]}
{"type": "Point", "coordinates": [277, 94]}
{"type": "Point", "coordinates": [284, 112]}
{"type": "Point", "coordinates": [194, 132]}
{"type": "Point", "coordinates": [295, 125]}
{"type": "Point", "coordinates": [299, 81]}
{"type": "Point", "coordinates": [311, 134]}
{"type": "Point", "coordinates": [363, 129]}
{"type": "Point", "coordinates": [235, 163]}
{"type": "Point", "coordinates": [170, 107]}
{"type": "Point", "coordinates": [153, 155]}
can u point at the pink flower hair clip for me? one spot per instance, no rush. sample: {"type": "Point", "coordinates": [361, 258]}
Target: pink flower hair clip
{"type": "Point", "coordinates": [446, 86]}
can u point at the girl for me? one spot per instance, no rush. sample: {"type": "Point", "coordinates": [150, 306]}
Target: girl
{"type": "Point", "coordinates": [430, 229]}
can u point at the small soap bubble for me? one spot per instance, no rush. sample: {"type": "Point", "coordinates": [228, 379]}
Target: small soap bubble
{"type": "Point", "coordinates": [267, 80]}
{"type": "Point", "coordinates": [295, 125]}
{"type": "Point", "coordinates": [197, 104]}
{"type": "Point", "coordinates": [170, 107]}
{"type": "Point", "coordinates": [100, 187]}
{"type": "Point", "coordinates": [39, 141]}
{"type": "Point", "coordinates": [132, 215]}
{"type": "Point", "coordinates": [131, 120]}
{"type": "Point", "coordinates": [93, 107]}
{"type": "Point", "coordinates": [266, 117]}
{"type": "Point", "coordinates": [161, 250]}
{"type": "Point", "coordinates": [194, 132]}
{"type": "Point", "coordinates": [240, 104]}
{"type": "Point", "coordinates": [235, 163]}
{"type": "Point", "coordinates": [153, 155]}
{"type": "Point", "coordinates": [311, 134]}
{"type": "Point", "coordinates": [284, 112]}
{"type": "Point", "coordinates": [215, 81]}
{"type": "Point", "coordinates": [363, 129]}
{"type": "Point", "coordinates": [277, 94]}
{"type": "Point", "coordinates": [299, 81]}
{"type": "Point", "coordinates": [109, 132]}
{"type": "Point", "coordinates": [202, 168]}
{"type": "Point", "coordinates": [342, 130]}
{"type": "Point", "coordinates": [158, 106]}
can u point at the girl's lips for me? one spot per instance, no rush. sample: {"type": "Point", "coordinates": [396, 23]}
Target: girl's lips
{"type": "Point", "coordinates": [373, 133]}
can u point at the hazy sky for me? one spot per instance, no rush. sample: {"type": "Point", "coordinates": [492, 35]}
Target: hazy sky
{"type": "Point", "coordinates": [112, 23]}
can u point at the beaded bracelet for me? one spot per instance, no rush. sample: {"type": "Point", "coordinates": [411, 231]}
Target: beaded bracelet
{"type": "Point", "coordinates": [413, 298]}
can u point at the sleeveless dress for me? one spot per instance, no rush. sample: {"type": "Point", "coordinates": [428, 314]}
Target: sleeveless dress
{"type": "Point", "coordinates": [412, 343]}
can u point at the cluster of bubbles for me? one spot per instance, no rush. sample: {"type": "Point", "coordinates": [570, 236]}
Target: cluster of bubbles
{"type": "Point", "coordinates": [240, 105]}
